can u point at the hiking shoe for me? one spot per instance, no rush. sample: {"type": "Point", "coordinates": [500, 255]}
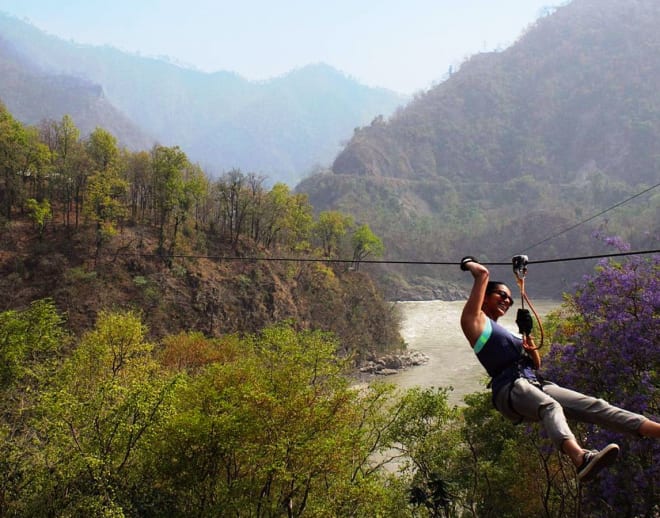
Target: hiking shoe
{"type": "Point", "coordinates": [595, 460]}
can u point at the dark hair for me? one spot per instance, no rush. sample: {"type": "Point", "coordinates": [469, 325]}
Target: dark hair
{"type": "Point", "coordinates": [492, 286]}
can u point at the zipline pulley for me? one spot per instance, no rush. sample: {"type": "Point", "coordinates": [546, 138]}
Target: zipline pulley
{"type": "Point", "coordinates": [520, 265]}
{"type": "Point", "coordinates": [523, 318]}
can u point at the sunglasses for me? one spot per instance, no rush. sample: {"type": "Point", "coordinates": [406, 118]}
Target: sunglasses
{"type": "Point", "coordinates": [504, 296]}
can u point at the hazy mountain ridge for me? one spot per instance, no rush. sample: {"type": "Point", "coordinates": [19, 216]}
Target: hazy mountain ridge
{"type": "Point", "coordinates": [33, 95]}
{"type": "Point", "coordinates": [282, 127]}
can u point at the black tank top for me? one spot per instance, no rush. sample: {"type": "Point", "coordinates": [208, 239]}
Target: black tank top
{"type": "Point", "coordinates": [502, 355]}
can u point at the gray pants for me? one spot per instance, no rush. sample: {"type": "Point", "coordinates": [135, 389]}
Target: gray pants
{"type": "Point", "coordinates": [552, 404]}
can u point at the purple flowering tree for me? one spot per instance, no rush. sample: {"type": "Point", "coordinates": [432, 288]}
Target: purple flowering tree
{"type": "Point", "coordinates": [609, 347]}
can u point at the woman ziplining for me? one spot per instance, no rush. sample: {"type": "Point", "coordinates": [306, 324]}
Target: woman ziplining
{"type": "Point", "coordinates": [520, 393]}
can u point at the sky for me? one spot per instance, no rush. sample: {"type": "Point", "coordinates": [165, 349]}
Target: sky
{"type": "Point", "coordinates": [403, 45]}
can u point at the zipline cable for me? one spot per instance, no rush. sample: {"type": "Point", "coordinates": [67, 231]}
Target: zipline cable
{"type": "Point", "coordinates": [592, 217]}
{"type": "Point", "coordinates": [377, 261]}
{"type": "Point", "coordinates": [520, 262]}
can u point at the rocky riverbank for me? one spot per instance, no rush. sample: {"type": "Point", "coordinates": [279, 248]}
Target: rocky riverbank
{"type": "Point", "coordinates": [424, 288]}
{"type": "Point", "coordinates": [393, 363]}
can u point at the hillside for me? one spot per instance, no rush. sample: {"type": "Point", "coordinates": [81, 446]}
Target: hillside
{"type": "Point", "coordinates": [578, 91]}
{"type": "Point", "coordinates": [283, 127]}
{"type": "Point", "coordinates": [516, 146]}
{"type": "Point", "coordinates": [203, 294]}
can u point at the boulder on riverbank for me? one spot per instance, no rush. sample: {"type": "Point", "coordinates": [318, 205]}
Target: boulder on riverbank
{"type": "Point", "coordinates": [393, 363]}
{"type": "Point", "coordinates": [425, 288]}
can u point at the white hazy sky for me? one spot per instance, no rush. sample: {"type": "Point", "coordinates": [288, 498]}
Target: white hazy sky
{"type": "Point", "coordinates": [403, 45]}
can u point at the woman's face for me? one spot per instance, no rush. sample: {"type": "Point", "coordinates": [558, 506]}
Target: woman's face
{"type": "Point", "coordinates": [497, 301]}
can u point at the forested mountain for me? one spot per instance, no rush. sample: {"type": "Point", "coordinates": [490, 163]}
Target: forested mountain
{"type": "Point", "coordinates": [283, 127]}
{"type": "Point", "coordinates": [517, 146]}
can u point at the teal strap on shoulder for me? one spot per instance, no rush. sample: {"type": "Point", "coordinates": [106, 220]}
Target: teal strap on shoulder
{"type": "Point", "coordinates": [485, 335]}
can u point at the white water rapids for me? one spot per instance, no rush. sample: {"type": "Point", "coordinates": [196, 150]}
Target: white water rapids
{"type": "Point", "coordinates": [433, 327]}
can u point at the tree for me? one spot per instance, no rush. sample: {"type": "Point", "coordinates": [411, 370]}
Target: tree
{"type": "Point", "coordinates": [141, 196]}
{"type": "Point", "coordinates": [298, 223]}
{"type": "Point", "coordinates": [275, 213]}
{"type": "Point", "coordinates": [105, 203]}
{"type": "Point", "coordinates": [31, 341]}
{"type": "Point", "coordinates": [426, 433]}
{"type": "Point", "coordinates": [13, 148]}
{"type": "Point", "coordinates": [101, 146]}
{"type": "Point", "coordinates": [196, 194]}
{"type": "Point", "coordinates": [608, 347]}
{"type": "Point", "coordinates": [365, 243]}
{"type": "Point", "coordinates": [168, 165]}
{"type": "Point", "coordinates": [36, 166]}
{"type": "Point", "coordinates": [68, 168]}
{"type": "Point", "coordinates": [105, 191]}
{"type": "Point", "coordinates": [272, 430]}
{"type": "Point", "coordinates": [28, 338]}
{"type": "Point", "coordinates": [105, 401]}
{"type": "Point", "coordinates": [234, 204]}
{"type": "Point", "coordinates": [258, 207]}
{"type": "Point", "coordinates": [330, 228]}
{"type": "Point", "coordinates": [40, 213]}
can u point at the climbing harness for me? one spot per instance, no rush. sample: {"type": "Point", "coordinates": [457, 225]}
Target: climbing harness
{"type": "Point", "coordinates": [522, 319]}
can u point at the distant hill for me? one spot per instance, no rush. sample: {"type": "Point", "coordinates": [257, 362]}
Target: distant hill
{"type": "Point", "coordinates": [283, 127]}
{"type": "Point", "coordinates": [517, 145]}
{"type": "Point", "coordinates": [32, 96]}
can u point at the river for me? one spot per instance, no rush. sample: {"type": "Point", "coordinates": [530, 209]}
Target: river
{"type": "Point", "coordinates": [433, 327]}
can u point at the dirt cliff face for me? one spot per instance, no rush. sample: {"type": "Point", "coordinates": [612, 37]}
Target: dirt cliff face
{"type": "Point", "coordinates": [191, 293]}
